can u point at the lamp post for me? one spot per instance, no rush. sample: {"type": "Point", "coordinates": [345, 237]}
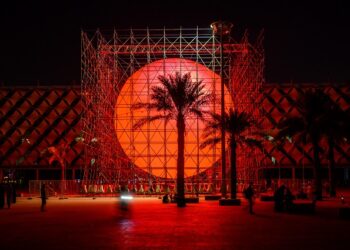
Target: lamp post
{"type": "Point", "coordinates": [222, 29]}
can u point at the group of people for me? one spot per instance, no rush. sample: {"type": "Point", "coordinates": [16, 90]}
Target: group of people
{"type": "Point", "coordinates": [169, 198]}
{"type": "Point", "coordinates": [8, 194]}
{"type": "Point", "coordinates": [283, 198]}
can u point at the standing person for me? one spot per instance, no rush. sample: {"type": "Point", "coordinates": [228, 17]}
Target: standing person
{"type": "Point", "coordinates": [2, 196]}
{"type": "Point", "coordinates": [249, 193]}
{"type": "Point", "coordinates": [289, 200]}
{"type": "Point", "coordinates": [166, 198]}
{"type": "Point", "coordinates": [172, 197]}
{"type": "Point", "coordinates": [309, 191]}
{"type": "Point", "coordinates": [43, 197]}
{"type": "Point", "coordinates": [279, 198]}
{"type": "Point", "coordinates": [8, 194]}
{"type": "Point", "coordinates": [14, 192]}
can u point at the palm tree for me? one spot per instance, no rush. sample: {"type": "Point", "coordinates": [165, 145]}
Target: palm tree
{"type": "Point", "coordinates": [308, 128]}
{"type": "Point", "coordinates": [57, 153]}
{"type": "Point", "coordinates": [236, 126]}
{"type": "Point", "coordinates": [335, 130]}
{"type": "Point", "coordinates": [176, 98]}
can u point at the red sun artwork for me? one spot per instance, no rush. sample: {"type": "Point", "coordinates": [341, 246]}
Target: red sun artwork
{"type": "Point", "coordinates": [153, 147]}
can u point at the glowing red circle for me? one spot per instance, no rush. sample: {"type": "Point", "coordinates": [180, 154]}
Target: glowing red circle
{"type": "Point", "coordinates": [153, 147]}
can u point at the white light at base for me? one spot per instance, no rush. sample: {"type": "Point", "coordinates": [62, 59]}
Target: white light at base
{"type": "Point", "coordinates": [126, 197]}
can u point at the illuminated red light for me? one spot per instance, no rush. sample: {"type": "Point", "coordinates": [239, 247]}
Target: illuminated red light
{"type": "Point", "coordinates": [153, 147]}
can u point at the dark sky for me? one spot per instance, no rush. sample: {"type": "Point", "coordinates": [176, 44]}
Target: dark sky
{"type": "Point", "coordinates": [305, 41]}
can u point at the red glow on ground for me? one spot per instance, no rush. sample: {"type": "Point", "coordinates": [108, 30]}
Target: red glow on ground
{"type": "Point", "coordinates": [154, 147]}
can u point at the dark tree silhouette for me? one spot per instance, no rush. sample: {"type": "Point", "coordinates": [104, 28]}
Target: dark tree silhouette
{"type": "Point", "coordinates": [236, 126]}
{"type": "Point", "coordinates": [176, 98]}
{"type": "Point", "coordinates": [335, 129]}
{"type": "Point", "coordinates": [309, 127]}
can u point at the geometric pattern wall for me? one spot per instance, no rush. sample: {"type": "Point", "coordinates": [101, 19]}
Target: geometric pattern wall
{"type": "Point", "coordinates": [35, 118]}
{"type": "Point", "coordinates": [278, 101]}
{"type": "Point", "coordinates": [32, 119]}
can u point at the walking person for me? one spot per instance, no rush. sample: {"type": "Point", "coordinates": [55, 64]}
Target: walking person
{"type": "Point", "coordinates": [249, 194]}
{"type": "Point", "coordinates": [43, 197]}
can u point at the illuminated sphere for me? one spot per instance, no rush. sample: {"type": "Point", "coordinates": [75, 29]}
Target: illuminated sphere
{"type": "Point", "coordinates": [153, 147]}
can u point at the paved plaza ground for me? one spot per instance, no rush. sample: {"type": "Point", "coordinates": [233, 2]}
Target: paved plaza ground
{"type": "Point", "coordinates": [86, 223]}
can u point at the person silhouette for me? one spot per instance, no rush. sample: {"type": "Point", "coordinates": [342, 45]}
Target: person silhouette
{"type": "Point", "coordinates": [249, 194]}
{"type": "Point", "coordinates": [124, 193]}
{"type": "Point", "coordinates": [9, 194]}
{"type": "Point", "coordinates": [279, 198]}
{"type": "Point", "coordinates": [289, 199]}
{"type": "Point", "coordinates": [43, 197]}
{"type": "Point", "coordinates": [14, 192]}
{"type": "Point", "coordinates": [165, 198]}
{"type": "Point", "coordinates": [2, 196]}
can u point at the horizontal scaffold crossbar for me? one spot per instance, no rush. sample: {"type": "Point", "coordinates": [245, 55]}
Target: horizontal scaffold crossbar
{"type": "Point", "coordinates": [172, 49]}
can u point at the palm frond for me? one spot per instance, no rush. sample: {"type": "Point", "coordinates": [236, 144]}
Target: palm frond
{"type": "Point", "coordinates": [197, 112]}
{"type": "Point", "coordinates": [175, 87]}
{"type": "Point", "coordinates": [216, 117]}
{"type": "Point", "coordinates": [212, 126]}
{"type": "Point", "coordinates": [161, 99]}
{"type": "Point", "coordinates": [210, 131]}
{"type": "Point", "coordinates": [182, 93]}
{"type": "Point", "coordinates": [210, 142]}
{"type": "Point", "coordinates": [235, 123]}
{"type": "Point", "coordinates": [266, 135]}
{"type": "Point", "coordinates": [290, 127]}
{"type": "Point", "coordinates": [143, 105]}
{"type": "Point", "coordinates": [239, 122]}
{"type": "Point", "coordinates": [253, 142]}
{"type": "Point", "coordinates": [145, 120]}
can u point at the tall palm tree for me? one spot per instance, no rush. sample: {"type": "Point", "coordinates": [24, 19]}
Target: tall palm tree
{"type": "Point", "coordinates": [176, 98]}
{"type": "Point", "coordinates": [236, 126]}
{"type": "Point", "coordinates": [308, 128]}
{"type": "Point", "coordinates": [335, 129]}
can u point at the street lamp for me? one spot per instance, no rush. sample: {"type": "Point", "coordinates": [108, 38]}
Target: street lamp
{"type": "Point", "coordinates": [222, 29]}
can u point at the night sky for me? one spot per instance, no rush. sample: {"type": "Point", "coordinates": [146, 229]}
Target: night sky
{"type": "Point", "coordinates": [305, 41]}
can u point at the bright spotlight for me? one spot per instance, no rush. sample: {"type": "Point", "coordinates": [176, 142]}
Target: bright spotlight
{"type": "Point", "coordinates": [126, 197]}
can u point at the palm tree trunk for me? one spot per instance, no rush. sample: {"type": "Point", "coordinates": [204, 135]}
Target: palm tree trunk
{"type": "Point", "coordinates": [181, 161]}
{"type": "Point", "coordinates": [317, 170]}
{"type": "Point", "coordinates": [233, 147]}
{"type": "Point", "coordinates": [331, 168]}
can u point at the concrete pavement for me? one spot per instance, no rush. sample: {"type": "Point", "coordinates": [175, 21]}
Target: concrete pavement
{"type": "Point", "coordinates": [86, 223]}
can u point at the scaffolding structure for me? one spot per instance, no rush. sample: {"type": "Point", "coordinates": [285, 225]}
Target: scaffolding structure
{"type": "Point", "coordinates": [118, 70]}
{"type": "Point", "coordinates": [247, 78]}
